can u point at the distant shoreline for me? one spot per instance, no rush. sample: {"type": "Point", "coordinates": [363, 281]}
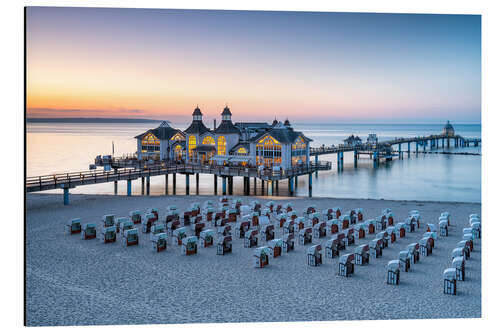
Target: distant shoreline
{"type": "Point", "coordinates": [90, 120]}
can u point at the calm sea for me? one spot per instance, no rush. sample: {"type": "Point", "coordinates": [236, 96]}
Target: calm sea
{"type": "Point", "coordinates": [56, 148]}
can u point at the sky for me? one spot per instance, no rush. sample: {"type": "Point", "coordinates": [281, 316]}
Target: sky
{"type": "Point", "coordinates": [305, 66]}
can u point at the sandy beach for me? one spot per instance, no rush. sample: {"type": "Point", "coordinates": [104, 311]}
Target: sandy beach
{"type": "Point", "coordinates": [74, 282]}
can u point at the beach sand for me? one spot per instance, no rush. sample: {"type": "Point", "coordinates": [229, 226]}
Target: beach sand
{"type": "Point", "coordinates": [74, 282]}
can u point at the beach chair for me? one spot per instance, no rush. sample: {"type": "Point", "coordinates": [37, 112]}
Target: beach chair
{"type": "Point", "coordinates": [476, 230]}
{"type": "Point", "coordinates": [269, 205]}
{"type": "Point", "coordinates": [135, 216]}
{"type": "Point", "coordinates": [459, 264]}
{"type": "Point", "coordinates": [337, 212]}
{"type": "Point", "coordinates": [332, 248]}
{"type": "Point", "coordinates": [470, 243]}
{"type": "Point", "coordinates": [299, 224]}
{"type": "Point", "coordinates": [275, 245]}
{"type": "Point", "coordinates": [225, 245]}
{"type": "Point", "coordinates": [431, 227]}
{"type": "Point", "coordinates": [74, 226]}
{"type": "Point", "coordinates": [289, 227]}
{"type": "Point", "coordinates": [353, 217]}
{"type": "Point", "coordinates": [172, 226]}
{"type": "Point", "coordinates": [108, 235]}
{"type": "Point", "coordinates": [288, 242]}
{"type": "Point", "coordinates": [391, 231]}
{"type": "Point", "coordinates": [314, 255]}
{"type": "Point", "coordinates": [404, 260]}
{"type": "Point", "coordinates": [267, 232]}
{"type": "Point", "coordinates": [443, 229]}
{"type": "Point", "coordinates": [380, 223]}
{"type": "Point", "coordinates": [148, 222]}
{"type": "Point", "coordinates": [371, 225]}
{"type": "Point", "coordinates": [333, 226]}
{"type": "Point", "coordinates": [360, 231]}
{"type": "Point", "coordinates": [400, 229]}
{"type": "Point", "coordinates": [446, 215]}
{"type": "Point", "coordinates": [305, 236]}
{"type": "Point", "coordinates": [131, 237]}
{"type": "Point", "coordinates": [346, 265]}
{"type": "Point", "coordinates": [432, 236]}
{"type": "Point", "coordinates": [89, 231]}
{"type": "Point", "coordinates": [424, 246]}
{"type": "Point", "coordinates": [450, 281]}
{"type": "Point", "coordinates": [236, 204]}
{"type": "Point", "coordinates": [208, 214]}
{"type": "Point", "coordinates": [411, 223]}
{"type": "Point", "coordinates": [153, 211]}
{"type": "Point", "coordinates": [232, 215]}
{"type": "Point", "coordinates": [206, 238]}
{"type": "Point", "coordinates": [288, 207]}
{"type": "Point", "coordinates": [189, 245]}
{"type": "Point", "coordinates": [327, 214]}
{"type": "Point", "coordinates": [341, 239]}
{"type": "Point", "coordinates": [319, 230]}
{"type": "Point", "coordinates": [389, 217]}
{"type": "Point", "coordinates": [255, 206]}
{"type": "Point", "coordinates": [261, 256]}
{"type": "Point", "coordinates": [178, 235]}
{"type": "Point", "coordinates": [125, 224]}
{"type": "Point", "coordinates": [241, 227]}
{"type": "Point", "coordinates": [251, 238]}
{"type": "Point", "coordinates": [393, 272]}
{"type": "Point", "coordinates": [292, 215]}
{"type": "Point", "coordinates": [345, 219]}
{"type": "Point", "coordinates": [359, 213]}
{"type": "Point", "coordinates": [279, 209]}
{"type": "Point", "coordinates": [384, 236]}
{"type": "Point", "coordinates": [376, 246]}
{"type": "Point", "coordinates": [281, 219]}
{"type": "Point", "coordinates": [224, 231]}
{"type": "Point", "coordinates": [362, 254]}
{"type": "Point", "coordinates": [198, 227]}
{"type": "Point", "coordinates": [195, 208]}
{"type": "Point", "coordinates": [413, 249]}
{"type": "Point", "coordinates": [157, 229]}
{"type": "Point", "coordinates": [463, 245]}
{"type": "Point", "coordinates": [108, 220]}
{"type": "Point", "coordinates": [159, 241]}
{"type": "Point", "coordinates": [224, 200]}
{"type": "Point", "coordinates": [350, 236]}
{"type": "Point", "coordinates": [315, 219]}
{"type": "Point", "coordinates": [415, 218]}
{"type": "Point", "coordinates": [457, 252]}
{"type": "Point", "coordinates": [172, 217]}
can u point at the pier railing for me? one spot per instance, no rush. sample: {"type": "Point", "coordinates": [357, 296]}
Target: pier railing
{"type": "Point", "coordinates": [73, 179]}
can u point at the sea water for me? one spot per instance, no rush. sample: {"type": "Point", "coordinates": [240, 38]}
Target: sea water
{"type": "Point", "coordinates": [67, 147]}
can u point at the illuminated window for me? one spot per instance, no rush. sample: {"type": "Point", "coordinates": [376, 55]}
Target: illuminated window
{"type": "Point", "coordinates": [150, 143]}
{"type": "Point", "coordinates": [268, 152]}
{"type": "Point", "coordinates": [178, 152]}
{"type": "Point", "coordinates": [241, 151]}
{"type": "Point", "coordinates": [221, 145]}
{"type": "Point", "coordinates": [177, 137]}
{"type": "Point", "coordinates": [299, 151]}
{"type": "Point", "coordinates": [191, 145]}
{"type": "Point", "coordinates": [208, 141]}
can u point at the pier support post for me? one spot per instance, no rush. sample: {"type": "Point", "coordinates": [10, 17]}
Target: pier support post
{"type": "Point", "coordinates": [116, 187]}
{"type": "Point", "coordinates": [66, 196]}
{"type": "Point", "coordinates": [316, 162]}
{"type": "Point", "coordinates": [224, 180]}
{"type": "Point", "coordinates": [230, 179]}
{"type": "Point", "coordinates": [262, 186]}
{"type": "Point", "coordinates": [142, 185]}
{"type": "Point", "coordinates": [399, 152]}
{"type": "Point", "coordinates": [269, 188]}
{"type": "Point", "coordinates": [129, 187]}
{"type": "Point", "coordinates": [166, 184]}
{"type": "Point", "coordinates": [296, 181]}
{"type": "Point", "coordinates": [277, 187]}
{"type": "Point", "coordinates": [338, 161]}
{"type": "Point", "coordinates": [355, 158]}
{"type": "Point", "coordinates": [424, 144]}
{"type": "Point", "coordinates": [147, 185]}
{"type": "Point", "coordinates": [409, 149]}
{"type": "Point", "coordinates": [310, 185]}
{"type": "Point", "coordinates": [342, 160]}
{"type": "Point", "coordinates": [290, 186]}
{"type": "Point", "coordinates": [187, 183]}
{"type": "Point", "coordinates": [375, 159]}
{"type": "Point", "coordinates": [416, 148]}
{"type": "Point", "coordinates": [174, 183]}
{"type": "Point", "coordinates": [254, 185]}
{"type": "Point", "coordinates": [448, 142]}
{"type": "Point", "coordinates": [215, 184]}
{"type": "Point", "coordinates": [197, 184]}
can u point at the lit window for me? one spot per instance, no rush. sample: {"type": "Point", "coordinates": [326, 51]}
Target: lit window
{"type": "Point", "coordinates": [221, 145]}
{"type": "Point", "coordinates": [208, 141]}
{"type": "Point", "coordinates": [177, 137]}
{"type": "Point", "coordinates": [191, 145]}
{"type": "Point", "coordinates": [268, 151]}
{"type": "Point", "coordinates": [299, 151]}
{"type": "Point", "coordinates": [241, 151]}
{"type": "Point", "coordinates": [150, 143]}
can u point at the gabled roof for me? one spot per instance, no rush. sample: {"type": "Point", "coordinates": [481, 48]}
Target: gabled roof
{"type": "Point", "coordinates": [227, 127]}
{"type": "Point", "coordinates": [226, 112]}
{"type": "Point", "coordinates": [245, 145]}
{"type": "Point", "coordinates": [162, 133]}
{"type": "Point", "coordinates": [197, 112]}
{"type": "Point", "coordinates": [196, 127]}
{"type": "Point", "coordinates": [282, 134]}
